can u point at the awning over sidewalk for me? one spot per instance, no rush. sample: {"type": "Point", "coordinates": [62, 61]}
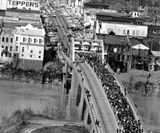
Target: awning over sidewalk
{"type": "Point", "coordinates": [156, 53]}
{"type": "Point", "coordinates": [140, 46]}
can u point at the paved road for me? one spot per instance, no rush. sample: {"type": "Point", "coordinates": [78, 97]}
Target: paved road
{"type": "Point", "coordinates": [106, 116]}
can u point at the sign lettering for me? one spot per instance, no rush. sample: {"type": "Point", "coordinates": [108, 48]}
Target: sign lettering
{"type": "Point", "coordinates": [21, 4]}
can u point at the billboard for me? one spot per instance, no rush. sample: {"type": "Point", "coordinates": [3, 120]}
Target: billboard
{"type": "Point", "coordinates": [3, 4]}
{"type": "Point", "coordinates": [24, 4]}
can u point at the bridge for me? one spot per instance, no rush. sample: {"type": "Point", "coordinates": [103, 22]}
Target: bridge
{"type": "Point", "coordinates": [95, 96]}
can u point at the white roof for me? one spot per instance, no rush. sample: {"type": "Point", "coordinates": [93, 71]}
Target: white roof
{"type": "Point", "coordinates": [30, 30]}
{"type": "Point", "coordinates": [86, 43]}
{"type": "Point", "coordinates": [140, 46]}
{"type": "Point", "coordinates": [156, 53]}
{"type": "Point", "coordinates": [97, 44]}
{"type": "Point", "coordinates": [76, 42]}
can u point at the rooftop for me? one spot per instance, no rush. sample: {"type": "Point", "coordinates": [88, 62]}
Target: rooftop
{"type": "Point", "coordinates": [30, 30]}
{"type": "Point", "coordinates": [118, 17]}
{"type": "Point", "coordinates": [22, 11]}
{"type": "Point", "coordinates": [96, 5]}
{"type": "Point", "coordinates": [7, 31]}
{"type": "Point", "coordinates": [13, 24]}
{"type": "Point", "coordinates": [112, 39]}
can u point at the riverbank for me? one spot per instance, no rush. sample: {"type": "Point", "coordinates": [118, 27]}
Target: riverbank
{"type": "Point", "coordinates": [141, 82]}
{"type": "Point", "coordinates": [21, 95]}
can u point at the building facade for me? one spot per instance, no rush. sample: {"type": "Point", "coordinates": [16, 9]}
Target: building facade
{"type": "Point", "coordinates": [29, 46]}
{"type": "Point", "coordinates": [121, 29]}
{"type": "Point", "coordinates": [6, 45]}
{"type": "Point", "coordinates": [20, 4]}
{"type": "Point", "coordinates": [119, 24]}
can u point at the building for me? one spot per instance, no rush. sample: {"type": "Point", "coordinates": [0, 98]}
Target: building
{"type": "Point", "coordinates": [118, 51]}
{"type": "Point", "coordinates": [119, 24]}
{"type": "Point", "coordinates": [29, 46]}
{"type": "Point", "coordinates": [6, 45]}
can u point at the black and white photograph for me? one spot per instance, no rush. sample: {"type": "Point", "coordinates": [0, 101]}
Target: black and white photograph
{"type": "Point", "coordinates": [79, 66]}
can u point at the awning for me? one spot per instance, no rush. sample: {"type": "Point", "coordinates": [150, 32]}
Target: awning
{"type": "Point", "coordinates": [86, 43]}
{"type": "Point", "coordinates": [87, 24]}
{"type": "Point", "coordinates": [156, 53]}
{"type": "Point", "coordinates": [140, 46]}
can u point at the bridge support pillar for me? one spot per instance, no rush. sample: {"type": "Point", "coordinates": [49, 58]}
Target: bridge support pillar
{"type": "Point", "coordinates": [64, 96]}
{"type": "Point", "coordinates": [72, 110]}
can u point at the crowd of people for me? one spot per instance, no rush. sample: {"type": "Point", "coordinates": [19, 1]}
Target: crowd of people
{"type": "Point", "coordinates": [124, 114]}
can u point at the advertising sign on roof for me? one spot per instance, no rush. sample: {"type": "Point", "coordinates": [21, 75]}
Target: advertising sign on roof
{"type": "Point", "coordinates": [24, 4]}
{"type": "Point", "coordinates": [3, 4]}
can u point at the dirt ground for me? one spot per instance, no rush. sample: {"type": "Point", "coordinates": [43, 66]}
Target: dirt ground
{"type": "Point", "coordinates": [62, 129]}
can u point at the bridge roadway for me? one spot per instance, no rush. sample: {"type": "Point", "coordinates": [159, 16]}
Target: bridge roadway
{"type": "Point", "coordinates": [105, 114]}
{"type": "Point", "coordinates": [99, 102]}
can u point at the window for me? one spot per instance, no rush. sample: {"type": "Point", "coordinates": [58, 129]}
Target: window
{"type": "Point", "coordinates": [31, 56]}
{"type": "Point", "coordinates": [133, 32]}
{"type": "Point", "coordinates": [9, 55]}
{"type": "Point", "coordinates": [6, 48]}
{"type": "Point", "coordinates": [31, 51]}
{"type": "Point", "coordinates": [137, 33]}
{"type": "Point", "coordinates": [3, 39]}
{"type": "Point", "coordinates": [2, 46]}
{"type": "Point", "coordinates": [22, 49]}
{"type": "Point", "coordinates": [39, 52]}
{"type": "Point", "coordinates": [7, 39]}
{"type": "Point", "coordinates": [10, 48]}
{"type": "Point", "coordinates": [29, 40]}
{"type": "Point", "coordinates": [40, 40]}
{"type": "Point", "coordinates": [24, 39]}
{"type": "Point", "coordinates": [22, 54]}
{"type": "Point", "coordinates": [35, 40]}
{"type": "Point", "coordinates": [11, 39]}
{"type": "Point", "coordinates": [39, 57]}
{"type": "Point", "coordinates": [17, 38]}
{"type": "Point", "coordinates": [127, 32]}
{"type": "Point", "coordinates": [16, 48]}
{"type": "Point", "coordinates": [2, 54]}
{"type": "Point", "coordinates": [124, 32]}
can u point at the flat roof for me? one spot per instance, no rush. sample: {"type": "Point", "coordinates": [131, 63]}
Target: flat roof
{"type": "Point", "coordinates": [118, 17]}
{"type": "Point", "coordinates": [113, 39]}
{"type": "Point", "coordinates": [22, 11]}
{"type": "Point", "coordinates": [96, 5]}
{"type": "Point", "coordinates": [18, 24]}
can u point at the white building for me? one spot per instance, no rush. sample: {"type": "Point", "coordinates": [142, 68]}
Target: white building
{"type": "Point", "coordinates": [121, 29]}
{"type": "Point", "coordinates": [29, 46]}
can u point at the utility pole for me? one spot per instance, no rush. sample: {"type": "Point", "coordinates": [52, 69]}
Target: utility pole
{"type": "Point", "coordinates": [130, 50]}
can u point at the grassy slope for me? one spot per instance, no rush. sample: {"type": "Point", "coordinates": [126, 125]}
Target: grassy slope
{"type": "Point", "coordinates": [139, 75]}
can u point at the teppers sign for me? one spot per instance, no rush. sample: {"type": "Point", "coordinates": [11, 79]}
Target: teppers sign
{"type": "Point", "coordinates": [24, 4]}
